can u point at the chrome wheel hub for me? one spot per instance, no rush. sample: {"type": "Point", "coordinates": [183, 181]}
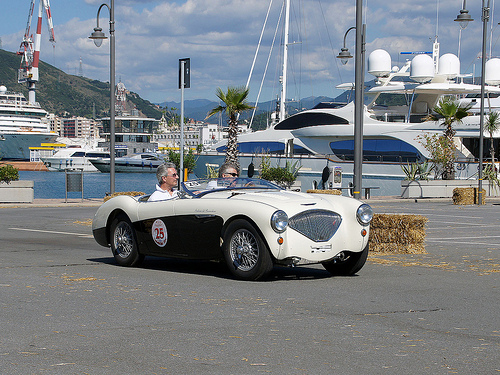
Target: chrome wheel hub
{"type": "Point", "coordinates": [123, 239]}
{"type": "Point", "coordinates": [244, 250]}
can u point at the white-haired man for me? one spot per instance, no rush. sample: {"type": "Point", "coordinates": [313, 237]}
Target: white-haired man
{"type": "Point", "coordinates": [167, 180]}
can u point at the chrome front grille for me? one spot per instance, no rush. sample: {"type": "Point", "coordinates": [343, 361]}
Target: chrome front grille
{"type": "Point", "coordinates": [317, 225]}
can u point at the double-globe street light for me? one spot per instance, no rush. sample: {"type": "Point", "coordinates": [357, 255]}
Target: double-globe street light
{"type": "Point", "coordinates": [359, 68]}
{"type": "Point", "coordinates": [464, 18]}
{"type": "Point", "coordinates": [98, 36]}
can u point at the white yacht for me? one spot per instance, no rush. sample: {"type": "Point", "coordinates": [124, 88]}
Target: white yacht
{"type": "Point", "coordinates": [394, 118]}
{"type": "Point", "coordinates": [21, 126]}
{"type": "Point", "coordinates": [74, 158]}
{"type": "Point", "coordinates": [146, 162]}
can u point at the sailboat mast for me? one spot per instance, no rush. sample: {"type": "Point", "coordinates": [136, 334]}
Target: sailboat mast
{"type": "Point", "coordinates": [285, 62]}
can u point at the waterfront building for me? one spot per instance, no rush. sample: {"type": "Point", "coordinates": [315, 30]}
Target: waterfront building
{"type": "Point", "coordinates": [78, 127]}
{"type": "Point", "coordinates": [132, 134]}
{"type": "Point", "coordinates": [195, 134]}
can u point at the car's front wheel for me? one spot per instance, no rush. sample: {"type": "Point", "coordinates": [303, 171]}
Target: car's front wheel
{"type": "Point", "coordinates": [245, 252]}
{"type": "Point", "coordinates": [124, 242]}
{"type": "Point", "coordinates": [348, 264]}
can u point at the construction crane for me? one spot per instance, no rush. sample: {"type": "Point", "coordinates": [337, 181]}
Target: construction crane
{"type": "Point", "coordinates": [30, 49]}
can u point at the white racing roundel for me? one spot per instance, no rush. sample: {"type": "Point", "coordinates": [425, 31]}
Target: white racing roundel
{"type": "Point", "coordinates": [159, 233]}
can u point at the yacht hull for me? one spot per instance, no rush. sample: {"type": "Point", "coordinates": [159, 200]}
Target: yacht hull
{"type": "Point", "coordinates": [16, 145]}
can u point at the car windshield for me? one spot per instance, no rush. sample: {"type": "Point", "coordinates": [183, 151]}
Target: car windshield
{"type": "Point", "coordinates": [198, 188]}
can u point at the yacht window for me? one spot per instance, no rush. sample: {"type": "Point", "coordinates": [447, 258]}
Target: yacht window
{"type": "Point", "coordinates": [387, 99]}
{"type": "Point", "coordinates": [386, 150]}
{"type": "Point", "coordinates": [265, 148]}
{"type": "Point", "coordinates": [78, 154]}
{"type": "Point", "coordinates": [97, 155]}
{"type": "Point", "coordinates": [303, 120]}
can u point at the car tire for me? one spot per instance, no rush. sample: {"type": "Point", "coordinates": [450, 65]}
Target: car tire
{"type": "Point", "coordinates": [349, 266]}
{"type": "Point", "coordinates": [245, 253]}
{"type": "Point", "coordinates": [124, 242]}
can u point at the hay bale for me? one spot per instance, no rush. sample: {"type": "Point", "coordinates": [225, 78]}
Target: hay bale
{"type": "Point", "coordinates": [470, 195]}
{"type": "Point", "coordinates": [398, 221]}
{"type": "Point", "coordinates": [395, 248]}
{"type": "Point", "coordinates": [396, 233]}
{"type": "Point", "coordinates": [132, 193]}
{"type": "Point", "coordinates": [327, 191]}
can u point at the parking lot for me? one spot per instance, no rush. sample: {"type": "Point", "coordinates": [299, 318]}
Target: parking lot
{"type": "Point", "coordinates": [66, 308]}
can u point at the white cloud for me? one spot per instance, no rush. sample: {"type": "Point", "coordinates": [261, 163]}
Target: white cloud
{"type": "Point", "coordinates": [220, 37]}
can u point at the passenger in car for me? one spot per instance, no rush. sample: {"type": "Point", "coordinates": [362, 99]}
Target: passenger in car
{"type": "Point", "coordinates": [167, 179]}
{"type": "Point", "coordinates": [226, 170]}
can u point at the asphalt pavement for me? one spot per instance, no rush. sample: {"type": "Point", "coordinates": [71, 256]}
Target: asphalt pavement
{"type": "Point", "coordinates": [67, 308]}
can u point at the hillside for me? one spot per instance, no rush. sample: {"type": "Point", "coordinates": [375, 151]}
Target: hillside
{"type": "Point", "coordinates": [65, 94]}
{"type": "Point", "coordinates": [197, 109]}
{"type": "Point", "coordinates": [69, 95]}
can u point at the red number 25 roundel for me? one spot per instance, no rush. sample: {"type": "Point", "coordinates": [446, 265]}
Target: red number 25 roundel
{"type": "Point", "coordinates": [159, 233]}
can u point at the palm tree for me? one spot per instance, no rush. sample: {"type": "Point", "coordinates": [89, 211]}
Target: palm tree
{"type": "Point", "coordinates": [234, 103]}
{"type": "Point", "coordinates": [492, 124]}
{"type": "Point", "coordinates": [450, 111]}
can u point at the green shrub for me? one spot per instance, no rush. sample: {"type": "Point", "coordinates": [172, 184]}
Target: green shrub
{"type": "Point", "coordinates": [189, 160]}
{"type": "Point", "coordinates": [284, 176]}
{"type": "Point", "coordinates": [8, 173]}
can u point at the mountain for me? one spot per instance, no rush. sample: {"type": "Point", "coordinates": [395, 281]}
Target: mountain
{"type": "Point", "coordinates": [198, 109]}
{"type": "Point", "coordinates": [69, 95]}
{"type": "Point", "coordinates": [66, 94]}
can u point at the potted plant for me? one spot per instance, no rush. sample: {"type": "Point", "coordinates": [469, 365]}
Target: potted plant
{"type": "Point", "coordinates": [283, 176]}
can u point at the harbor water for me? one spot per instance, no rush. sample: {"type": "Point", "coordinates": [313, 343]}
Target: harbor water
{"type": "Point", "coordinates": [52, 185]}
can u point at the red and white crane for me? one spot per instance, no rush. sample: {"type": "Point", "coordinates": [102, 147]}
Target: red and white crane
{"type": "Point", "coordinates": [30, 49]}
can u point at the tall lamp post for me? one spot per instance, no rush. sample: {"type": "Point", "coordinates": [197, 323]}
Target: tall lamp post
{"type": "Point", "coordinates": [359, 68]}
{"type": "Point", "coordinates": [464, 18]}
{"type": "Point", "coordinates": [98, 36]}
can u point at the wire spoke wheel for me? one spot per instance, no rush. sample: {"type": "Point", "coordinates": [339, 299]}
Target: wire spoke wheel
{"type": "Point", "coordinates": [124, 243]}
{"type": "Point", "coordinates": [244, 250]}
{"type": "Point", "coordinates": [123, 239]}
{"type": "Point", "coordinates": [247, 255]}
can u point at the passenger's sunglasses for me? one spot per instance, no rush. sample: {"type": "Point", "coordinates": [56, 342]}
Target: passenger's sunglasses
{"type": "Point", "coordinates": [232, 174]}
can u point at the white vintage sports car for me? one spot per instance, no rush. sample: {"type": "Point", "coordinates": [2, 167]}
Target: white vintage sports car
{"type": "Point", "coordinates": [252, 224]}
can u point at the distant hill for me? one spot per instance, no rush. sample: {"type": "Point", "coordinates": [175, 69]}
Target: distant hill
{"type": "Point", "coordinates": [198, 109]}
{"type": "Point", "coordinates": [66, 94]}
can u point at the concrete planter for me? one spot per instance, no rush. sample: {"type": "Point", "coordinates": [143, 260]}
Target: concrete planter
{"type": "Point", "coordinates": [17, 192]}
{"type": "Point", "coordinates": [441, 188]}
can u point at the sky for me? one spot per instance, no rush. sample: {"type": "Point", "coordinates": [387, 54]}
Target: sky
{"type": "Point", "coordinates": [221, 36]}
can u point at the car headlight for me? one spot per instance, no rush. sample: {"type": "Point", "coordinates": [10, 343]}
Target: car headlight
{"type": "Point", "coordinates": [364, 214]}
{"type": "Point", "coordinates": [279, 221]}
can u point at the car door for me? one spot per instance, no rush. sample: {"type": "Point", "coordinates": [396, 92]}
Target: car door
{"type": "Point", "coordinates": [157, 231]}
{"type": "Point", "coordinates": [199, 227]}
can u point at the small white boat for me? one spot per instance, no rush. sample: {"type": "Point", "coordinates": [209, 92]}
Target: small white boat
{"type": "Point", "coordinates": [74, 158]}
{"type": "Point", "coordinates": [138, 163]}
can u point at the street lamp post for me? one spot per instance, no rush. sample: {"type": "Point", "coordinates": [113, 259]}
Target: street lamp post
{"type": "Point", "coordinates": [98, 36]}
{"type": "Point", "coordinates": [464, 18]}
{"type": "Point", "coordinates": [359, 67]}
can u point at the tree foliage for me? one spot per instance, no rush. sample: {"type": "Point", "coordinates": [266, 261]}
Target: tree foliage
{"type": "Point", "coordinates": [442, 150]}
{"type": "Point", "coordinates": [189, 161]}
{"type": "Point", "coordinates": [234, 102]}
{"type": "Point", "coordinates": [449, 111]}
{"type": "Point", "coordinates": [8, 173]}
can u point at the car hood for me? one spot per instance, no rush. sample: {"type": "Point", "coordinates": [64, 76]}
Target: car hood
{"type": "Point", "coordinates": [288, 200]}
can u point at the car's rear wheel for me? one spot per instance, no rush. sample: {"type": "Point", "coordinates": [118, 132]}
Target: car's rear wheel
{"type": "Point", "coordinates": [245, 252]}
{"type": "Point", "coordinates": [124, 242]}
{"type": "Point", "coordinates": [348, 264]}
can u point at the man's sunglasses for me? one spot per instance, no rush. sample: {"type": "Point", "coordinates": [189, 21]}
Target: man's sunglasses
{"type": "Point", "coordinates": [232, 174]}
